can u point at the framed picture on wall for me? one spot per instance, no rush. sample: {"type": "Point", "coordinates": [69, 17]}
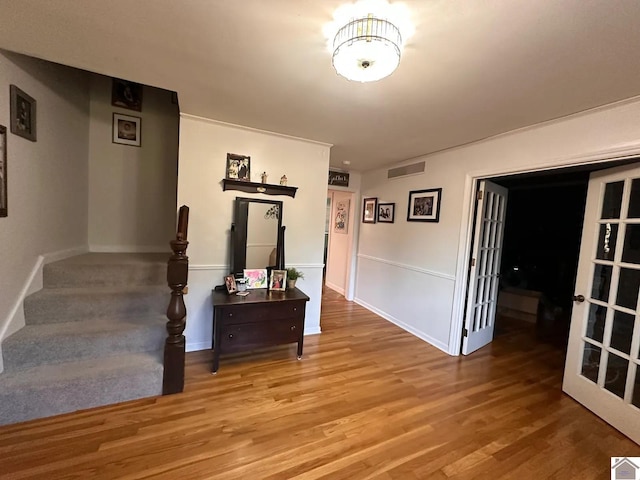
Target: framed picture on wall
{"type": "Point", "coordinates": [238, 167]}
{"type": "Point", "coordinates": [127, 130]}
{"type": "Point", "coordinates": [3, 171]}
{"type": "Point", "coordinates": [23, 114]}
{"type": "Point", "coordinates": [126, 94]}
{"type": "Point", "coordinates": [341, 218]}
{"type": "Point", "coordinates": [424, 205]}
{"type": "Point", "coordinates": [369, 209]}
{"type": "Point", "coordinates": [386, 212]}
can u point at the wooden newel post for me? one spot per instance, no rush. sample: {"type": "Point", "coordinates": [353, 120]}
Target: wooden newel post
{"type": "Point", "coordinates": [177, 276]}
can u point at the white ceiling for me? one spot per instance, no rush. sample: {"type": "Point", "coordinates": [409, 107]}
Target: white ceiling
{"type": "Point", "coordinates": [472, 69]}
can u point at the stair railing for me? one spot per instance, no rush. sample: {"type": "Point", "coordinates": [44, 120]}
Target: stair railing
{"type": "Point", "coordinates": [177, 275]}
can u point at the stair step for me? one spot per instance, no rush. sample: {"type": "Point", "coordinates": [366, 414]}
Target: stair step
{"type": "Point", "coordinates": [107, 269]}
{"type": "Point", "coordinates": [54, 389]}
{"type": "Point", "coordinates": [56, 305]}
{"type": "Point", "coordinates": [62, 342]}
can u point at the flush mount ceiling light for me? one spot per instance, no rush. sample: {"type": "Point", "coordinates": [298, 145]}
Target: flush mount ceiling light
{"type": "Point", "coordinates": [366, 39]}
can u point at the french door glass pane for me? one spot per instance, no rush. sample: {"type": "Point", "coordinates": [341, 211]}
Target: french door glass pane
{"type": "Point", "coordinates": [631, 250]}
{"type": "Point", "coordinates": [634, 201]}
{"type": "Point", "coordinates": [616, 377]}
{"type": "Point", "coordinates": [622, 331]}
{"type": "Point", "coordinates": [612, 200]}
{"type": "Point", "coordinates": [628, 285]}
{"type": "Point", "coordinates": [601, 282]}
{"type": "Point", "coordinates": [591, 362]}
{"type": "Point", "coordinates": [607, 241]}
{"type": "Point", "coordinates": [595, 322]}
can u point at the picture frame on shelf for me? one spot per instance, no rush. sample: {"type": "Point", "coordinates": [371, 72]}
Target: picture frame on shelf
{"type": "Point", "coordinates": [126, 94]}
{"type": "Point", "coordinates": [230, 283]}
{"type": "Point", "coordinates": [3, 171]}
{"type": "Point", "coordinates": [256, 278]}
{"type": "Point", "coordinates": [127, 130]}
{"type": "Point", "coordinates": [424, 205]}
{"type": "Point", "coordinates": [278, 280]}
{"type": "Point", "coordinates": [386, 212]}
{"type": "Point", "coordinates": [23, 114]}
{"type": "Point", "coordinates": [238, 167]}
{"type": "Point", "coordinates": [369, 210]}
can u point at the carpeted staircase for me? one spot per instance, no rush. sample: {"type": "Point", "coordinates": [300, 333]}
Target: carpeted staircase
{"type": "Point", "coordinates": [93, 336]}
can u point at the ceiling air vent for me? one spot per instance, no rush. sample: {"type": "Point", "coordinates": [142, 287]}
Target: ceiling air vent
{"type": "Point", "coordinates": [413, 169]}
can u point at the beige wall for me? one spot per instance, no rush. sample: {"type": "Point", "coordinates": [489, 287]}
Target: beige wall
{"type": "Point", "coordinates": [340, 244]}
{"type": "Point", "coordinates": [425, 262]}
{"type": "Point", "coordinates": [47, 179]}
{"type": "Point", "coordinates": [204, 145]}
{"type": "Point", "coordinates": [132, 190]}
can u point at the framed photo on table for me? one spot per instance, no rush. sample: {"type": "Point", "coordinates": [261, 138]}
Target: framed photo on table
{"type": "Point", "coordinates": [386, 212]}
{"type": "Point", "coordinates": [230, 283]}
{"type": "Point", "coordinates": [424, 205]}
{"type": "Point", "coordinates": [127, 130]}
{"type": "Point", "coordinates": [256, 278]}
{"type": "Point", "coordinates": [278, 281]}
{"type": "Point", "coordinates": [369, 210]}
{"type": "Point", "coordinates": [23, 114]}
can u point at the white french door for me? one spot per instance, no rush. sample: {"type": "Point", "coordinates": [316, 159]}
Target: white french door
{"type": "Point", "coordinates": [482, 295]}
{"type": "Point", "coordinates": [601, 370]}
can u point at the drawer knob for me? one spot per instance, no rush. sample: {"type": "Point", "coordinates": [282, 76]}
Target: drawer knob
{"type": "Point", "coordinates": [295, 309]}
{"type": "Point", "coordinates": [293, 327]}
{"type": "Point", "coordinates": [231, 314]}
{"type": "Point", "coordinates": [231, 335]}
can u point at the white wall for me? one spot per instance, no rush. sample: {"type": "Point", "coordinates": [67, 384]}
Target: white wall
{"type": "Point", "coordinates": [47, 180]}
{"type": "Point", "coordinates": [132, 190]}
{"type": "Point", "coordinates": [414, 273]}
{"type": "Point", "coordinates": [204, 145]}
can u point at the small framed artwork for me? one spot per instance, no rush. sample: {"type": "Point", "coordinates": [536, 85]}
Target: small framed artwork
{"type": "Point", "coordinates": [386, 212]}
{"type": "Point", "coordinates": [424, 205]}
{"type": "Point", "coordinates": [23, 114]}
{"type": "Point", "coordinates": [3, 171]}
{"type": "Point", "coordinates": [230, 283]}
{"type": "Point", "coordinates": [341, 220]}
{"type": "Point", "coordinates": [126, 94]}
{"type": "Point", "coordinates": [278, 281]}
{"type": "Point", "coordinates": [238, 167]}
{"type": "Point", "coordinates": [256, 278]}
{"type": "Point", "coordinates": [127, 130]}
{"type": "Point", "coordinates": [369, 209]}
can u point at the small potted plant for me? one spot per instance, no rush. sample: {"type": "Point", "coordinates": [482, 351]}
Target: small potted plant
{"type": "Point", "coordinates": [292, 276]}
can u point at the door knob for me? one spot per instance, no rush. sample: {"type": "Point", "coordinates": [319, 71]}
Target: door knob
{"type": "Point", "coordinates": [578, 298]}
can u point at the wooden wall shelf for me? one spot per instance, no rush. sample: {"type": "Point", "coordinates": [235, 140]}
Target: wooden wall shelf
{"type": "Point", "coordinates": [254, 187]}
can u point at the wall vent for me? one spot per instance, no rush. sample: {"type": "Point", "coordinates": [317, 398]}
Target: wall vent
{"type": "Point", "coordinates": [413, 169]}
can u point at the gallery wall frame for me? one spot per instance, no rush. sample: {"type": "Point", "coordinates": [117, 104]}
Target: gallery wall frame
{"type": "Point", "coordinates": [369, 210]}
{"type": "Point", "coordinates": [386, 212]}
{"type": "Point", "coordinates": [126, 94]}
{"type": "Point", "coordinates": [424, 205]}
{"type": "Point", "coordinates": [23, 114]}
{"type": "Point", "coordinates": [127, 130]}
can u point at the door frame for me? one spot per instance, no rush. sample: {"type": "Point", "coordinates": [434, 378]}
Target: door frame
{"type": "Point", "coordinates": [349, 290]}
{"type": "Point", "coordinates": [466, 226]}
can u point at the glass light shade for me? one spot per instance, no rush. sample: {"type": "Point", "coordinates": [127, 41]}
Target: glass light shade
{"type": "Point", "coordinates": [367, 49]}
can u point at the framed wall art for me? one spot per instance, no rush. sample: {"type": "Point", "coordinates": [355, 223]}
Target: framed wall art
{"type": "Point", "coordinates": [126, 94]}
{"type": "Point", "coordinates": [369, 210]}
{"type": "Point", "coordinates": [127, 130]}
{"type": "Point", "coordinates": [424, 205]}
{"type": "Point", "coordinates": [256, 277]}
{"type": "Point", "coordinates": [238, 167]}
{"type": "Point", "coordinates": [341, 219]}
{"type": "Point", "coordinates": [23, 114]}
{"type": "Point", "coordinates": [386, 212]}
{"type": "Point", "coordinates": [3, 171]}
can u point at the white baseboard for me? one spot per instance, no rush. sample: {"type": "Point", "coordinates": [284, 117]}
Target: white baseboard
{"type": "Point", "coordinates": [312, 331]}
{"type": "Point", "coordinates": [334, 287]}
{"type": "Point", "coordinates": [130, 248]}
{"type": "Point", "coordinates": [62, 254]}
{"type": "Point", "coordinates": [421, 335]}
{"type": "Point", "coordinates": [197, 346]}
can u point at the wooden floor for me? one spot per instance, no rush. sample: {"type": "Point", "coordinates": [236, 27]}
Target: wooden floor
{"type": "Point", "coordinates": [367, 401]}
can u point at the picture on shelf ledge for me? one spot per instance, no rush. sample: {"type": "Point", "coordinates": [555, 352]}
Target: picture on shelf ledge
{"type": "Point", "coordinates": [256, 278]}
{"type": "Point", "coordinates": [369, 209]}
{"type": "Point", "coordinates": [238, 167]}
{"type": "Point", "coordinates": [424, 205]}
{"type": "Point", "coordinates": [23, 114]}
{"type": "Point", "coordinates": [386, 212]}
{"type": "Point", "coordinates": [126, 94]}
{"type": "Point", "coordinates": [230, 283]}
{"type": "Point", "coordinates": [127, 130]}
{"type": "Point", "coordinates": [278, 280]}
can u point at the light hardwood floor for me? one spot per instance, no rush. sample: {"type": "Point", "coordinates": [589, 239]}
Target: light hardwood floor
{"type": "Point", "coordinates": [368, 400]}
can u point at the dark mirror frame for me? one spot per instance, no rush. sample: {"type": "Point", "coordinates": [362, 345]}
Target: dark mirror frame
{"type": "Point", "coordinates": [239, 234]}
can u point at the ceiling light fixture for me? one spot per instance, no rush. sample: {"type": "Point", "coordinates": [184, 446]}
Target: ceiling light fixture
{"type": "Point", "coordinates": [366, 39]}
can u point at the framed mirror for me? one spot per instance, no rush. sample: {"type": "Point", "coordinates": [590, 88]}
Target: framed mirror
{"type": "Point", "coordinates": [257, 239]}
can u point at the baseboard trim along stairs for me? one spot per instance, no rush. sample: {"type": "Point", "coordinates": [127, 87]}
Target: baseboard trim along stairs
{"type": "Point", "coordinates": [94, 336]}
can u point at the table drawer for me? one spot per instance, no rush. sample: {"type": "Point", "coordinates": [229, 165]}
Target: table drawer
{"type": "Point", "coordinates": [258, 313]}
{"type": "Point", "coordinates": [246, 336]}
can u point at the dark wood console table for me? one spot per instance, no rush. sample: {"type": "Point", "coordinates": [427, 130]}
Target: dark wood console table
{"type": "Point", "coordinates": [261, 319]}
